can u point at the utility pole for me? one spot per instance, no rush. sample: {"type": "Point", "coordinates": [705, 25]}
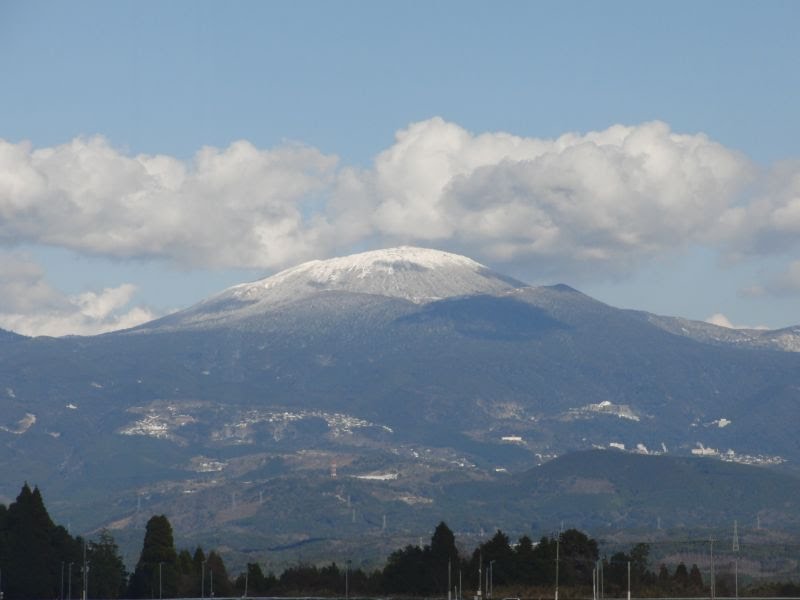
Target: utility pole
{"type": "Point", "coordinates": [346, 579]}
{"type": "Point", "coordinates": [736, 556]}
{"type": "Point", "coordinates": [159, 579]}
{"type": "Point", "coordinates": [713, 577]}
{"type": "Point", "coordinates": [203, 579]}
{"type": "Point", "coordinates": [449, 582]}
{"type": "Point", "coordinates": [602, 580]}
{"type": "Point", "coordinates": [480, 576]}
{"type": "Point", "coordinates": [85, 571]}
{"type": "Point", "coordinates": [558, 542]}
{"type": "Point", "coordinates": [61, 594]}
{"type": "Point", "coordinates": [69, 589]}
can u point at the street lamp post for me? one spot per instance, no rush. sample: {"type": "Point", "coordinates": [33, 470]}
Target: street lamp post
{"type": "Point", "coordinates": [69, 588]}
{"type": "Point", "coordinates": [491, 577]}
{"type": "Point", "coordinates": [346, 579]}
{"type": "Point", "coordinates": [449, 581]}
{"type": "Point", "coordinates": [629, 580]}
{"type": "Point", "coordinates": [203, 579]}
{"type": "Point", "coordinates": [479, 595]}
{"type": "Point", "coordinates": [159, 579]}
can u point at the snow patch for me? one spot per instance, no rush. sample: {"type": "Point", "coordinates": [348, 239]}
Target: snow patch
{"type": "Point", "coordinates": [23, 425]}
{"type": "Point", "coordinates": [514, 439]}
{"type": "Point", "coordinates": [415, 500]}
{"type": "Point", "coordinates": [242, 429]}
{"type": "Point", "coordinates": [377, 477]}
{"type": "Point", "coordinates": [701, 450]}
{"type": "Point", "coordinates": [158, 422]}
{"type": "Point", "coordinates": [201, 464]}
{"type": "Point", "coordinates": [606, 407]}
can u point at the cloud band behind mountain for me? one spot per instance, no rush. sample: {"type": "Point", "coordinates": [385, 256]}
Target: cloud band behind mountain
{"type": "Point", "coordinates": [598, 204]}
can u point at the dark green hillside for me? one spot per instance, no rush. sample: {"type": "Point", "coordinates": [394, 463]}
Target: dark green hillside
{"type": "Point", "coordinates": [607, 488]}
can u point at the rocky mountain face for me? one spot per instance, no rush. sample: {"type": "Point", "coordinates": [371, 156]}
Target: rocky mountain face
{"type": "Point", "coordinates": [365, 387]}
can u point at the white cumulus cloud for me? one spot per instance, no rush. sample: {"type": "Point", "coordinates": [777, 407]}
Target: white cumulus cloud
{"type": "Point", "coordinates": [598, 204]}
{"type": "Point", "coordinates": [240, 206]}
{"type": "Point", "coordinates": [767, 222]}
{"type": "Point", "coordinates": [601, 202]}
{"type": "Point", "coordinates": [31, 306]}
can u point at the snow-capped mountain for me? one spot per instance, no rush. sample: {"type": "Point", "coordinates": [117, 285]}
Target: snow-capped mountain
{"type": "Point", "coordinates": [399, 368]}
{"type": "Point", "coordinates": [418, 275]}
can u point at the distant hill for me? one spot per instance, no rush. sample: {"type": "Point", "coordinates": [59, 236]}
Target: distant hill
{"type": "Point", "coordinates": [600, 489]}
{"type": "Point", "coordinates": [9, 336]}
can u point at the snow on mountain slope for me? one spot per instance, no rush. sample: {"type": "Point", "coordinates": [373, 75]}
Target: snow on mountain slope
{"type": "Point", "coordinates": [415, 274]}
{"type": "Point", "coordinates": [418, 275]}
{"type": "Point", "coordinates": [786, 340]}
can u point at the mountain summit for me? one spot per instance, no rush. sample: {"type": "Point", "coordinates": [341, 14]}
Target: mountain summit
{"type": "Point", "coordinates": [418, 275]}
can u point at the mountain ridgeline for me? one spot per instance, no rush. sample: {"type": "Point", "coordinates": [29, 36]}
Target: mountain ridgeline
{"type": "Point", "coordinates": [364, 386]}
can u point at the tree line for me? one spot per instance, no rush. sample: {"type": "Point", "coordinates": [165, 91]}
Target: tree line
{"type": "Point", "coordinates": [39, 559]}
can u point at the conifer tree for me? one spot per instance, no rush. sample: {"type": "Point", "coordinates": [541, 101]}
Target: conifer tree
{"type": "Point", "coordinates": [442, 551]}
{"type": "Point", "coordinates": [523, 561]}
{"type": "Point", "coordinates": [216, 567]}
{"type": "Point", "coordinates": [201, 575]}
{"type": "Point", "coordinates": [696, 584]}
{"type": "Point", "coordinates": [31, 560]}
{"type": "Point", "coordinates": [681, 578]}
{"type": "Point", "coordinates": [156, 573]}
{"type": "Point", "coordinates": [108, 577]}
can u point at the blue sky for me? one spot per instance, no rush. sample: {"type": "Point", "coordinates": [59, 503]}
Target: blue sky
{"type": "Point", "coordinates": [343, 112]}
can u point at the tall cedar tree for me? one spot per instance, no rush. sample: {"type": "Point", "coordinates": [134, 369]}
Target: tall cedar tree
{"type": "Point", "coordinates": [219, 582]}
{"type": "Point", "coordinates": [443, 556]}
{"type": "Point", "coordinates": [33, 548]}
{"type": "Point", "coordinates": [156, 573]}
